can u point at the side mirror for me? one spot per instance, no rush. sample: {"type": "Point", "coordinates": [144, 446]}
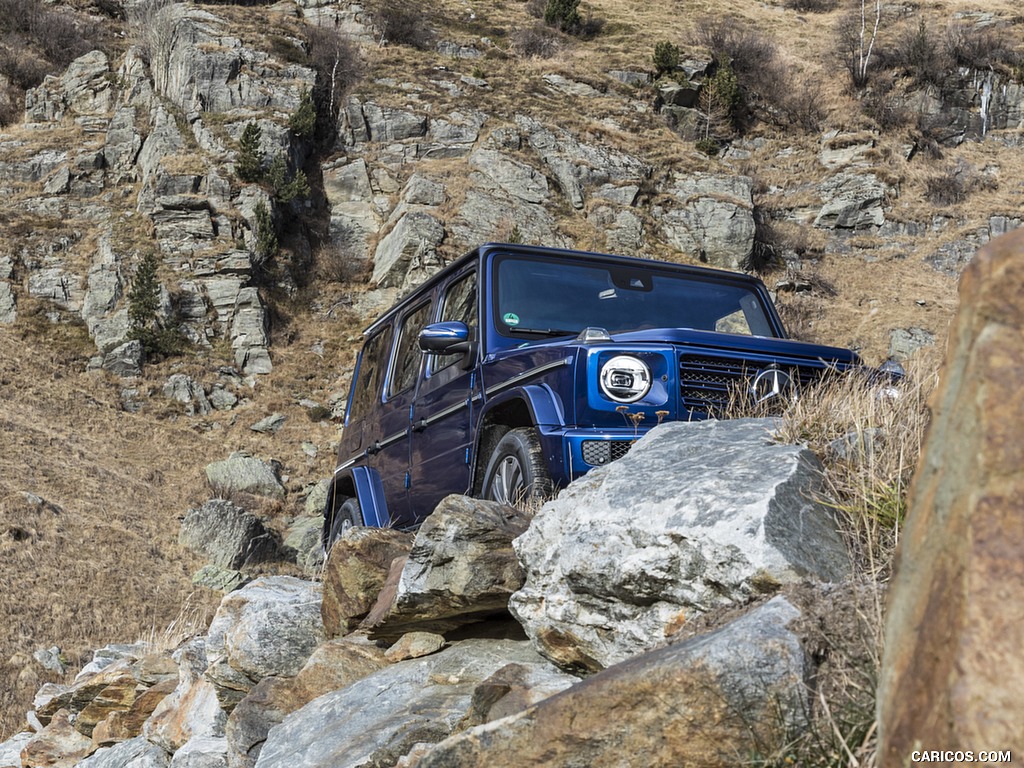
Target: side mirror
{"type": "Point", "coordinates": [445, 338]}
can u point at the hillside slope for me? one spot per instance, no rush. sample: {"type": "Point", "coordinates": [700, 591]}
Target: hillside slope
{"type": "Point", "coordinates": [484, 125]}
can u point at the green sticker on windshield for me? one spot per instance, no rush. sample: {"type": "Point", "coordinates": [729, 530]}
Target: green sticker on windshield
{"type": "Point", "coordinates": [511, 318]}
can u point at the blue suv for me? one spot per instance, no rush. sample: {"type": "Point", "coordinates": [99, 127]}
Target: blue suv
{"type": "Point", "coordinates": [517, 369]}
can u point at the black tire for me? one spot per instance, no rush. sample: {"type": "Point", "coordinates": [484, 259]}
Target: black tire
{"type": "Point", "coordinates": [346, 516]}
{"type": "Point", "coordinates": [516, 470]}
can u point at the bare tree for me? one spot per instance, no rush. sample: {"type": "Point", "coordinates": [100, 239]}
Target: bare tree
{"type": "Point", "coordinates": [856, 38]}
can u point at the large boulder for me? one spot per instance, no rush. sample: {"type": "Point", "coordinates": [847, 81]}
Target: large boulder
{"type": "Point", "coordinates": [696, 516]}
{"type": "Point", "coordinates": [226, 535]}
{"type": "Point", "coordinates": [192, 710]}
{"type": "Point", "coordinates": [954, 630]}
{"type": "Point", "coordinates": [268, 627]}
{"type": "Point", "coordinates": [710, 701]}
{"type": "Point", "coordinates": [356, 572]}
{"type": "Point", "coordinates": [461, 569]}
{"type": "Point", "coordinates": [334, 665]}
{"type": "Point", "coordinates": [380, 718]}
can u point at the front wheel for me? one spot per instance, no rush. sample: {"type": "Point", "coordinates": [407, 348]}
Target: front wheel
{"type": "Point", "coordinates": [516, 470]}
{"type": "Point", "coordinates": [347, 515]}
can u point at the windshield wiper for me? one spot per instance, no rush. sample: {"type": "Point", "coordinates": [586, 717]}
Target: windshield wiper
{"type": "Point", "coordinates": [543, 331]}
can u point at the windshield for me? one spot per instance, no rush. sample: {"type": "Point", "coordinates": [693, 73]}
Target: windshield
{"type": "Point", "coordinates": [536, 298]}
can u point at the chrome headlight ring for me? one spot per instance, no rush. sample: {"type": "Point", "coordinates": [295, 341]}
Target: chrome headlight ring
{"type": "Point", "coordinates": [625, 379]}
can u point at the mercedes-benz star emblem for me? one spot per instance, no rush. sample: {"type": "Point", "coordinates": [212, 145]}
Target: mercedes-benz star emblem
{"type": "Point", "coordinates": [769, 383]}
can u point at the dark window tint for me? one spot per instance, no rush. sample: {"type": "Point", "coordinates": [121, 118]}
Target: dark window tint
{"type": "Point", "coordinates": [372, 364]}
{"type": "Point", "coordinates": [459, 304]}
{"type": "Point", "coordinates": [407, 356]}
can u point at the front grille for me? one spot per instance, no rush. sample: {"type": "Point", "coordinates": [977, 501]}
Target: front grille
{"type": "Point", "coordinates": [599, 452]}
{"type": "Point", "coordinates": [707, 384]}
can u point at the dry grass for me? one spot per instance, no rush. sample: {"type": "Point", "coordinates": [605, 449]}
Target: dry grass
{"type": "Point", "coordinates": [98, 560]}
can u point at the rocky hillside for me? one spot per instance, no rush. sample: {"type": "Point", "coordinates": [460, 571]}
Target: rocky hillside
{"type": "Point", "coordinates": [281, 172]}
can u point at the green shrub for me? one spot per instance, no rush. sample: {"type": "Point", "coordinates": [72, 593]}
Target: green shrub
{"type": "Point", "coordinates": [249, 166]}
{"type": "Point", "coordinates": [563, 14]}
{"type": "Point", "coordinates": [709, 147]}
{"type": "Point", "coordinates": [666, 57]}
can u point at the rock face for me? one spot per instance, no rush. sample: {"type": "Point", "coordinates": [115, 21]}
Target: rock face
{"type": "Point", "coordinates": [697, 515]}
{"type": "Point", "coordinates": [955, 622]}
{"type": "Point", "coordinates": [461, 568]}
{"type": "Point", "coordinates": [710, 701]}
{"type": "Point", "coordinates": [379, 718]}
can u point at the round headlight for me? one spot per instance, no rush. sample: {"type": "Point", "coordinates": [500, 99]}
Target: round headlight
{"type": "Point", "coordinates": [625, 379]}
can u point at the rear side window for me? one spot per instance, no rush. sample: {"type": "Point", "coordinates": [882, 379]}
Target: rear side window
{"type": "Point", "coordinates": [407, 355]}
{"type": "Point", "coordinates": [372, 364]}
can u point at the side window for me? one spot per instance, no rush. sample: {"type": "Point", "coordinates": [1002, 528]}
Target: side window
{"type": "Point", "coordinates": [459, 303]}
{"type": "Point", "coordinates": [407, 355]}
{"type": "Point", "coordinates": [372, 364]}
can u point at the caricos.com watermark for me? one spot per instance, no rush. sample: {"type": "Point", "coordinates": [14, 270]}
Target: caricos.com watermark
{"type": "Point", "coordinates": [934, 756]}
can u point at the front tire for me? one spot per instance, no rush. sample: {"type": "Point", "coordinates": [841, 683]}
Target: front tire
{"type": "Point", "coordinates": [516, 470]}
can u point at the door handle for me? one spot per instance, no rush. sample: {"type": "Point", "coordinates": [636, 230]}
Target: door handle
{"type": "Point", "coordinates": [374, 449]}
{"type": "Point", "coordinates": [420, 425]}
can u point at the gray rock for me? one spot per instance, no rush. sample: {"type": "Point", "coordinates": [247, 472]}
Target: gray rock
{"type": "Point", "coordinates": [571, 87]}
{"type": "Point", "coordinates": [202, 752]}
{"type": "Point", "coordinates": [192, 709]}
{"type": "Point", "coordinates": [267, 628]}
{"type": "Point", "coordinates": [219, 579]}
{"type": "Point", "coordinates": [853, 201]}
{"type": "Point", "coordinates": [8, 306]}
{"type": "Point", "coordinates": [386, 124]}
{"type": "Point", "coordinates": [408, 252]}
{"type": "Point", "coordinates": [226, 535]}
{"type": "Point", "coordinates": [186, 390]}
{"type": "Point", "coordinates": [904, 343]}
{"type": "Point", "coordinates": [302, 542]}
{"type": "Point", "coordinates": [708, 701]}
{"type": "Point", "coordinates": [125, 360]}
{"type": "Point", "coordinates": [630, 77]}
{"type": "Point", "coordinates": [461, 568]}
{"type": "Point", "coordinates": [10, 750]}
{"type": "Point", "coordinates": [49, 659]}
{"type": "Point", "coordinates": [515, 178]}
{"type": "Point", "coordinates": [714, 219]}
{"type": "Point", "coordinates": [696, 516]}
{"type": "Point", "coordinates": [316, 500]}
{"type": "Point", "coordinates": [378, 719]}
{"type": "Point", "coordinates": [250, 333]}
{"type": "Point", "coordinates": [241, 473]}
{"type": "Point", "coordinates": [222, 399]}
{"type": "Point", "coordinates": [134, 753]}
{"type": "Point", "coordinates": [270, 425]}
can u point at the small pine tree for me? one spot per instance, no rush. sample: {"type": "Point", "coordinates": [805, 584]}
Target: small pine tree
{"type": "Point", "coordinates": [144, 296]}
{"type": "Point", "coordinates": [277, 172]}
{"type": "Point", "coordinates": [666, 57]}
{"type": "Point", "coordinates": [296, 189]}
{"type": "Point", "coordinates": [303, 120]}
{"type": "Point", "coordinates": [249, 166]}
{"type": "Point", "coordinates": [143, 305]}
{"type": "Point", "coordinates": [563, 14]}
{"type": "Point", "coordinates": [266, 236]}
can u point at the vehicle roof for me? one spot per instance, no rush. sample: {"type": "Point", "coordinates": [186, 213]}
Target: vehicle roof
{"type": "Point", "coordinates": [565, 253]}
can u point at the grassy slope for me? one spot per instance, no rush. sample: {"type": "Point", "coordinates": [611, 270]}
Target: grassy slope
{"type": "Point", "coordinates": [107, 568]}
